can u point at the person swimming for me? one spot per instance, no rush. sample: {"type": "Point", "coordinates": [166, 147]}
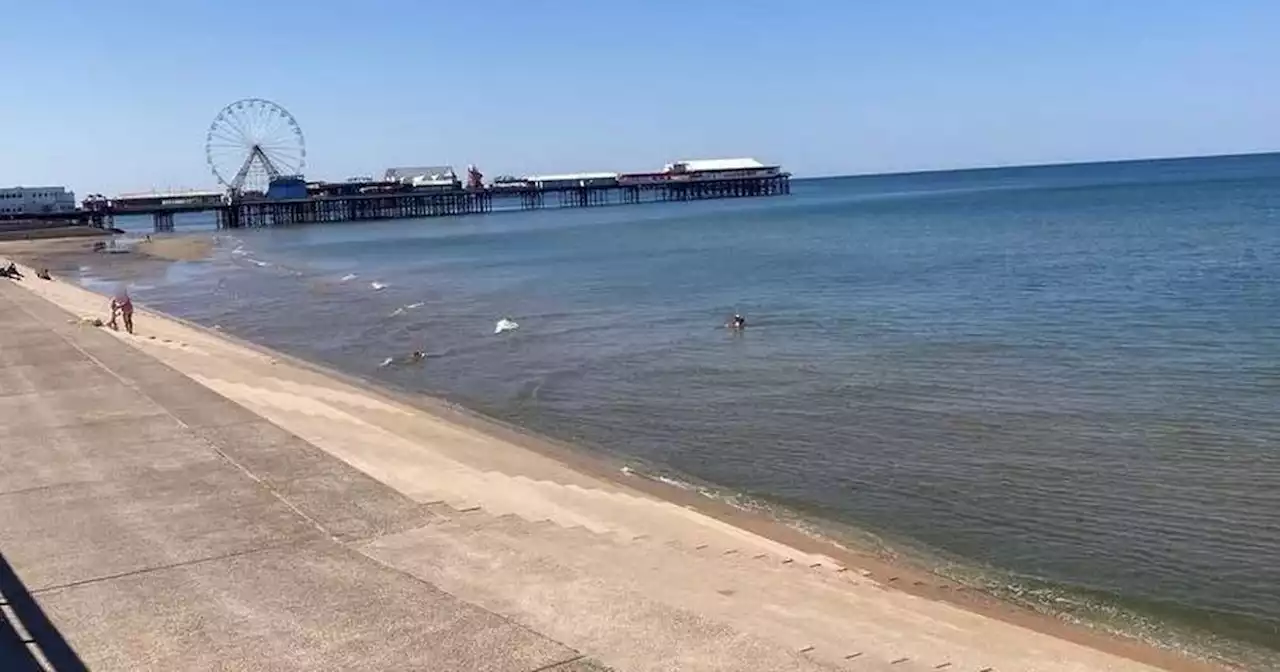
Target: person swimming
{"type": "Point", "coordinates": [413, 358]}
{"type": "Point", "coordinates": [737, 322]}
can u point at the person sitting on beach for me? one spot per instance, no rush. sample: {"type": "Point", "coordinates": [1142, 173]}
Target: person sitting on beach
{"type": "Point", "coordinates": [43, 274]}
{"type": "Point", "coordinates": [11, 271]}
{"type": "Point", "coordinates": [121, 304]}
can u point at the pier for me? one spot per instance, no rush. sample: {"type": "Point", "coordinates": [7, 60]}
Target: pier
{"type": "Point", "coordinates": [330, 204]}
{"type": "Point", "coordinates": [262, 184]}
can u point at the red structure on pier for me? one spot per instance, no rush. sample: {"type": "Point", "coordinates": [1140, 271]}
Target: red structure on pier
{"type": "Point", "coordinates": [475, 179]}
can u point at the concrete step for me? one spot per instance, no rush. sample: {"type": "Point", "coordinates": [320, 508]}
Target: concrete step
{"type": "Point", "coordinates": [797, 614]}
{"type": "Point", "coordinates": [417, 471]}
{"type": "Point", "coordinates": [842, 616]}
{"type": "Point", "coordinates": [605, 619]}
{"type": "Point", "coordinates": [630, 516]}
{"type": "Point", "coordinates": [708, 530]}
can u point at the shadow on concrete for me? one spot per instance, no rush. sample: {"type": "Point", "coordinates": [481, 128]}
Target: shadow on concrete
{"type": "Point", "coordinates": [16, 654]}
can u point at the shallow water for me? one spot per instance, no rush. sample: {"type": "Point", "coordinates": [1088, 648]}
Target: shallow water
{"type": "Point", "coordinates": [1071, 373]}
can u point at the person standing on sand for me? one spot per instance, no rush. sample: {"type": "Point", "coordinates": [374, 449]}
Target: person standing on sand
{"type": "Point", "coordinates": [122, 305]}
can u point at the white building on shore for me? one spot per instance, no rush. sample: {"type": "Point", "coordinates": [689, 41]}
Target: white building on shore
{"type": "Point", "coordinates": [36, 200]}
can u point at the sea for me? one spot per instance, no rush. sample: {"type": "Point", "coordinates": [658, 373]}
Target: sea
{"type": "Point", "coordinates": [1059, 382]}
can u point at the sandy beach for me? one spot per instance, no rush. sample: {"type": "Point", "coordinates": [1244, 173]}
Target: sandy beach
{"type": "Point", "coordinates": [540, 529]}
{"type": "Point", "coordinates": [65, 254]}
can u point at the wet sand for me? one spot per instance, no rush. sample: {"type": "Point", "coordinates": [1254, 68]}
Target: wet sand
{"type": "Point", "coordinates": [132, 258]}
{"type": "Point", "coordinates": [53, 233]}
{"type": "Point", "coordinates": [311, 390]}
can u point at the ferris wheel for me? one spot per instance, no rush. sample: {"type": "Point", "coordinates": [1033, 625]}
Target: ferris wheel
{"type": "Point", "coordinates": [252, 142]}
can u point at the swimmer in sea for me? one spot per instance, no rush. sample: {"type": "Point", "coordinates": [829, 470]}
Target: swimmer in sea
{"type": "Point", "coordinates": [415, 357]}
{"type": "Point", "coordinates": [737, 322]}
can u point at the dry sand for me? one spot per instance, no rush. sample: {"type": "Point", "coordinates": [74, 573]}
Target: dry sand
{"type": "Point", "coordinates": [433, 451]}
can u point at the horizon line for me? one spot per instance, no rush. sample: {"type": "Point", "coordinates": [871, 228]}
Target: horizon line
{"type": "Point", "coordinates": [1051, 164]}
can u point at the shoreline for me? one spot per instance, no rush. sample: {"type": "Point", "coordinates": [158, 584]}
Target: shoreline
{"type": "Point", "coordinates": [886, 566]}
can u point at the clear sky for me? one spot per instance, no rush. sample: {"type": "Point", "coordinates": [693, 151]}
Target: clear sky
{"type": "Point", "coordinates": [117, 96]}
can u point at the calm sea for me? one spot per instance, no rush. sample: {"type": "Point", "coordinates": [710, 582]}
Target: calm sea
{"type": "Point", "coordinates": [1068, 376]}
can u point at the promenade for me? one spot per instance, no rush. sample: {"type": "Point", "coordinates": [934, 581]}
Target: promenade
{"type": "Point", "coordinates": [177, 500]}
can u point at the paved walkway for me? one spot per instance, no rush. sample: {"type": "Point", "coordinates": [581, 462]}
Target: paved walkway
{"type": "Point", "coordinates": [147, 523]}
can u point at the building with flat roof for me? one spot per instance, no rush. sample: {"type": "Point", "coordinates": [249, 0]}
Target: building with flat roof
{"type": "Point", "coordinates": [572, 180]}
{"type": "Point", "coordinates": [719, 169]}
{"type": "Point", "coordinates": [702, 165]}
{"type": "Point", "coordinates": [36, 200]}
{"type": "Point", "coordinates": [150, 199]}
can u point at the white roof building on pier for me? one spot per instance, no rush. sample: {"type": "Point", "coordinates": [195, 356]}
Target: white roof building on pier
{"type": "Point", "coordinates": [707, 165]}
{"type": "Point", "coordinates": [421, 175]}
{"type": "Point", "coordinates": [571, 180]}
{"type": "Point", "coordinates": [173, 197]}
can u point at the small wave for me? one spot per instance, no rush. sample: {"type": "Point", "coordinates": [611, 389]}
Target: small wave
{"type": "Point", "coordinates": [349, 277]}
{"type": "Point", "coordinates": [387, 362]}
{"type": "Point", "coordinates": [404, 309]}
{"type": "Point", "coordinates": [377, 285]}
{"type": "Point", "coordinates": [674, 483]}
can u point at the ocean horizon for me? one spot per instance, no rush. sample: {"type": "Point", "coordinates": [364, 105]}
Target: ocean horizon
{"type": "Point", "coordinates": [1060, 381]}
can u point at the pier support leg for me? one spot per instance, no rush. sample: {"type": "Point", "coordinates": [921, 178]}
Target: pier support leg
{"type": "Point", "coordinates": [163, 221]}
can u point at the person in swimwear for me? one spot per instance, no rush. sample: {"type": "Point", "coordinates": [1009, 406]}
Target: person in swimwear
{"type": "Point", "coordinates": [122, 305]}
{"type": "Point", "coordinates": [737, 322]}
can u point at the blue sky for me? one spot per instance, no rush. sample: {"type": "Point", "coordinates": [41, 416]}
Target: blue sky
{"type": "Point", "coordinates": [117, 96]}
